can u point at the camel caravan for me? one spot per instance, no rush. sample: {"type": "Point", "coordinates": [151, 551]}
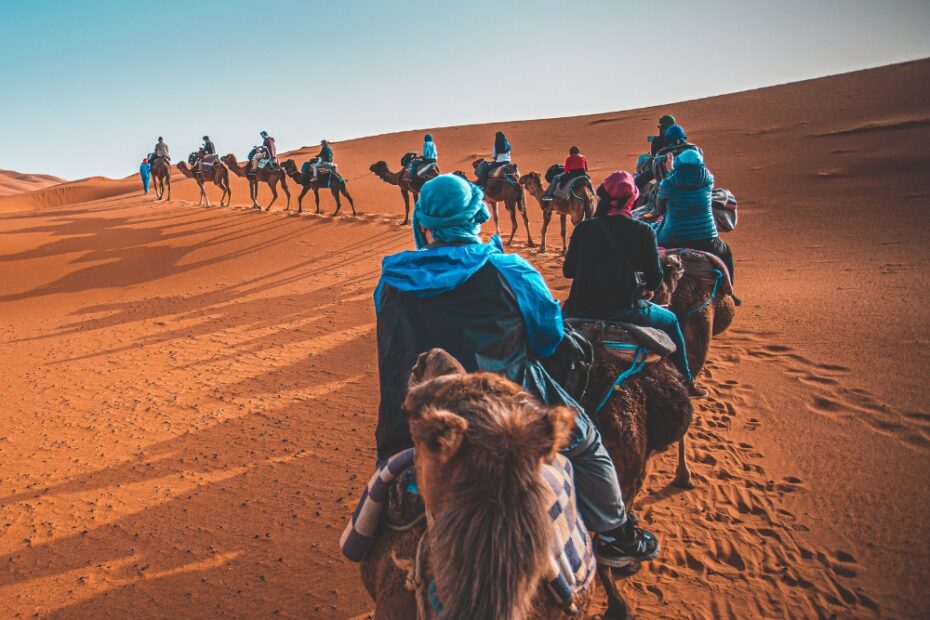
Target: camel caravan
{"type": "Point", "coordinates": [514, 431]}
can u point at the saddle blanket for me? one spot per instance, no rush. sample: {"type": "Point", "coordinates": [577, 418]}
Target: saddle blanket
{"type": "Point", "coordinates": [420, 168]}
{"type": "Point", "coordinates": [656, 342]}
{"type": "Point", "coordinates": [564, 190]}
{"type": "Point", "coordinates": [701, 266]}
{"type": "Point", "coordinates": [572, 566]}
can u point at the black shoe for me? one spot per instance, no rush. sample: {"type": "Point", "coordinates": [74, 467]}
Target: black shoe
{"type": "Point", "coordinates": [736, 300]}
{"type": "Point", "coordinates": [636, 545]}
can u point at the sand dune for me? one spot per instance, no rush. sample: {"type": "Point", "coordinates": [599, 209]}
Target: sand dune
{"type": "Point", "coordinates": [189, 402]}
{"type": "Point", "coordinates": [12, 182]}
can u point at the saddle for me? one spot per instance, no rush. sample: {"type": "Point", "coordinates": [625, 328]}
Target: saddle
{"type": "Point", "coordinates": [655, 342]}
{"type": "Point", "coordinates": [392, 489]}
{"type": "Point", "coordinates": [505, 169]}
{"type": "Point", "coordinates": [702, 266]}
{"type": "Point", "coordinates": [421, 167]}
{"type": "Point", "coordinates": [563, 191]}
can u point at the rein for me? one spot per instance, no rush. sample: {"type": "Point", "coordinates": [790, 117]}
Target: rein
{"type": "Point", "coordinates": [718, 275]}
{"type": "Point", "coordinates": [639, 361]}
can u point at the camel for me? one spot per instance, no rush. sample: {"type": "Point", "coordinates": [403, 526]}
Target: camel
{"type": "Point", "coordinates": [507, 189]}
{"type": "Point", "coordinates": [161, 173]}
{"type": "Point", "coordinates": [267, 175]}
{"type": "Point", "coordinates": [701, 317]}
{"type": "Point", "coordinates": [579, 207]}
{"type": "Point", "coordinates": [219, 175]}
{"type": "Point", "coordinates": [325, 178]}
{"type": "Point", "coordinates": [487, 542]}
{"type": "Point", "coordinates": [402, 179]}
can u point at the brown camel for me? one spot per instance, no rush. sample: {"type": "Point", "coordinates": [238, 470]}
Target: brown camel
{"type": "Point", "coordinates": [480, 444]}
{"type": "Point", "coordinates": [270, 176]}
{"type": "Point", "coordinates": [161, 173]}
{"type": "Point", "coordinates": [218, 174]}
{"type": "Point", "coordinates": [686, 296]}
{"type": "Point", "coordinates": [506, 188]}
{"type": "Point", "coordinates": [402, 179]}
{"type": "Point", "coordinates": [325, 178]}
{"type": "Point", "coordinates": [580, 206]}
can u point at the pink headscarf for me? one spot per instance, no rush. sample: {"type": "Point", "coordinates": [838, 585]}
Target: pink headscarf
{"type": "Point", "coordinates": [622, 191]}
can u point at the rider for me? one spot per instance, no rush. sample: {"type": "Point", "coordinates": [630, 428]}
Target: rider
{"type": "Point", "coordinates": [271, 151]}
{"type": "Point", "coordinates": [611, 259]}
{"type": "Point", "coordinates": [429, 155]}
{"type": "Point", "coordinates": [685, 198]}
{"type": "Point", "coordinates": [658, 142]}
{"type": "Point", "coordinates": [576, 165]}
{"type": "Point", "coordinates": [208, 148]}
{"type": "Point", "coordinates": [500, 155]}
{"type": "Point", "coordinates": [491, 311]}
{"type": "Point", "coordinates": [675, 142]}
{"type": "Point", "coordinates": [323, 159]}
{"type": "Point", "coordinates": [161, 149]}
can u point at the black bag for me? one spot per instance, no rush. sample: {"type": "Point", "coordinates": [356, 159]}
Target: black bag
{"type": "Point", "coordinates": [571, 363]}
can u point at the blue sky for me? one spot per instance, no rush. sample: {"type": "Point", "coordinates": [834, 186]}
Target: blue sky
{"type": "Point", "coordinates": [86, 87]}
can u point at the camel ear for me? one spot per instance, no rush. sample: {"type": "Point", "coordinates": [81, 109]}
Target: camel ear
{"type": "Point", "coordinates": [440, 431]}
{"type": "Point", "coordinates": [558, 424]}
{"type": "Point", "coordinates": [434, 363]}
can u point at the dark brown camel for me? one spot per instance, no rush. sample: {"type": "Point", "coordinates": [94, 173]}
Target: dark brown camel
{"type": "Point", "coordinates": [270, 176]}
{"type": "Point", "coordinates": [325, 178]}
{"type": "Point", "coordinates": [686, 296]}
{"type": "Point", "coordinates": [402, 179]}
{"type": "Point", "coordinates": [161, 173]}
{"type": "Point", "coordinates": [218, 174]}
{"type": "Point", "coordinates": [480, 443]}
{"type": "Point", "coordinates": [506, 188]}
{"type": "Point", "coordinates": [579, 207]}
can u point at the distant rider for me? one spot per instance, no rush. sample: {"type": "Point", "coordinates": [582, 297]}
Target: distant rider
{"type": "Point", "coordinates": [324, 159]}
{"type": "Point", "coordinates": [576, 165]}
{"type": "Point", "coordinates": [429, 155]}
{"type": "Point", "coordinates": [161, 149]}
{"type": "Point", "coordinates": [500, 155]}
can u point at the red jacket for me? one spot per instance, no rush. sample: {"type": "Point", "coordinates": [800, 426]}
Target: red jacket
{"type": "Point", "coordinates": [576, 162]}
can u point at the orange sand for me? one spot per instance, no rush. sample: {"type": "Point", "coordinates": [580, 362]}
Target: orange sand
{"type": "Point", "coordinates": [189, 394]}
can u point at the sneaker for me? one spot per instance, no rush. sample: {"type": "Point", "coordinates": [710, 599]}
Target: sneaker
{"type": "Point", "coordinates": [696, 390]}
{"type": "Point", "coordinates": [637, 545]}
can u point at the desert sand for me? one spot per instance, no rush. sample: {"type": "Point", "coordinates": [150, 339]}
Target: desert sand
{"type": "Point", "coordinates": [189, 395]}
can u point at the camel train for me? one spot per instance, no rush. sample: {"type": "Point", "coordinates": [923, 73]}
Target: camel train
{"type": "Point", "coordinates": [479, 540]}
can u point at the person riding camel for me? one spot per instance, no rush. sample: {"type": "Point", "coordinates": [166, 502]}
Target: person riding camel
{"type": "Point", "coordinates": [576, 165]}
{"type": "Point", "coordinates": [658, 142]}
{"type": "Point", "coordinates": [161, 149]}
{"type": "Point", "coordinates": [613, 262]}
{"type": "Point", "coordinates": [324, 159]}
{"type": "Point", "coordinates": [500, 155]}
{"type": "Point", "coordinates": [208, 148]}
{"type": "Point", "coordinates": [675, 142]}
{"type": "Point", "coordinates": [492, 312]}
{"type": "Point", "coordinates": [271, 151]}
{"type": "Point", "coordinates": [684, 197]}
{"type": "Point", "coordinates": [429, 155]}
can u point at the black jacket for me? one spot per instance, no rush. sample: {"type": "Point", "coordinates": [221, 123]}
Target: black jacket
{"type": "Point", "coordinates": [604, 281]}
{"type": "Point", "coordinates": [479, 324]}
{"type": "Point", "coordinates": [208, 148]}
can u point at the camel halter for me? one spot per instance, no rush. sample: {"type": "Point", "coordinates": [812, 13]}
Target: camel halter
{"type": "Point", "coordinates": [718, 275]}
{"type": "Point", "coordinates": [413, 579]}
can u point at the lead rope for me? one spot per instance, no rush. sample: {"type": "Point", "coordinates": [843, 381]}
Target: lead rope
{"type": "Point", "coordinates": [639, 361]}
{"type": "Point", "coordinates": [718, 275]}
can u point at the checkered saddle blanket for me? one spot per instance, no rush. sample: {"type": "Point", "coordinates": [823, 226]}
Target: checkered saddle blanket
{"type": "Point", "coordinates": [572, 566]}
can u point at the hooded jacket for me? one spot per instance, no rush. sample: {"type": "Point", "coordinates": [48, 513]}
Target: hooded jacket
{"type": "Point", "coordinates": [491, 311]}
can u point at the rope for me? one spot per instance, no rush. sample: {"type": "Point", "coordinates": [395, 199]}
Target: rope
{"type": "Point", "coordinates": [718, 275]}
{"type": "Point", "coordinates": [413, 579]}
{"type": "Point", "coordinates": [639, 361]}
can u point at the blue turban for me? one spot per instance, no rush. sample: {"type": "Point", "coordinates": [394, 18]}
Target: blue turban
{"type": "Point", "coordinates": [428, 137]}
{"type": "Point", "coordinates": [675, 133]}
{"type": "Point", "coordinates": [451, 208]}
{"type": "Point", "coordinates": [691, 157]}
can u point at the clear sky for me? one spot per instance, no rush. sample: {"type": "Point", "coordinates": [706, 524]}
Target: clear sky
{"type": "Point", "coordinates": [87, 86]}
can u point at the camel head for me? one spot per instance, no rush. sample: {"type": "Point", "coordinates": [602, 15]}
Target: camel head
{"type": "Point", "coordinates": [580, 210]}
{"type": "Point", "coordinates": [480, 441]}
{"type": "Point", "coordinates": [230, 160]}
{"type": "Point", "coordinates": [673, 271]}
{"type": "Point", "coordinates": [533, 183]}
{"type": "Point", "coordinates": [289, 166]}
{"type": "Point", "coordinates": [380, 168]}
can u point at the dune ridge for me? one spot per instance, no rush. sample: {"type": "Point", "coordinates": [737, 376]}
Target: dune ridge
{"type": "Point", "coordinates": [12, 182]}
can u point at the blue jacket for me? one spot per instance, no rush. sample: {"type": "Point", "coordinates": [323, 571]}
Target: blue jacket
{"type": "Point", "coordinates": [688, 213]}
{"type": "Point", "coordinates": [491, 311]}
{"type": "Point", "coordinates": [429, 150]}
